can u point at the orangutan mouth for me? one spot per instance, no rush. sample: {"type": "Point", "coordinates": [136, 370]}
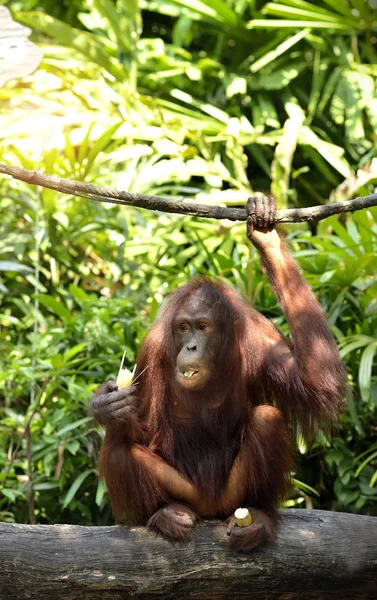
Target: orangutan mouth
{"type": "Point", "coordinates": [189, 374]}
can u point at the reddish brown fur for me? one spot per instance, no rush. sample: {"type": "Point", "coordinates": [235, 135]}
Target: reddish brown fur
{"type": "Point", "coordinates": [256, 366]}
{"type": "Point", "coordinates": [175, 520]}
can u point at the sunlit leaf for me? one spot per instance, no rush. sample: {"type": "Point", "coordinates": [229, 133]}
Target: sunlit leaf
{"type": "Point", "coordinates": [278, 51]}
{"type": "Point", "coordinates": [100, 493]}
{"type": "Point", "coordinates": [9, 265]}
{"type": "Point", "coordinates": [365, 370]}
{"type": "Point", "coordinates": [88, 44]}
{"type": "Point", "coordinates": [282, 163]}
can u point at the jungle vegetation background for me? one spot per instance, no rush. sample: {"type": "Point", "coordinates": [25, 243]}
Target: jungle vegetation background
{"type": "Point", "coordinates": [212, 99]}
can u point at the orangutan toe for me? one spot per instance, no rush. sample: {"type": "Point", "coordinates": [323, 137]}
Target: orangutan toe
{"type": "Point", "coordinates": [173, 520]}
{"type": "Point", "coordinates": [246, 538]}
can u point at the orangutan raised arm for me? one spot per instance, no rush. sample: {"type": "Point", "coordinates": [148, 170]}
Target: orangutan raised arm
{"type": "Point", "coordinates": [311, 365]}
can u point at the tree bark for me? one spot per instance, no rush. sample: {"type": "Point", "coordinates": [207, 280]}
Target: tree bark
{"type": "Point", "coordinates": [318, 556]}
{"type": "Point", "coordinates": [182, 206]}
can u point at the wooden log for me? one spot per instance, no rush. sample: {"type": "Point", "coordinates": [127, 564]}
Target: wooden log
{"type": "Point", "coordinates": [318, 556]}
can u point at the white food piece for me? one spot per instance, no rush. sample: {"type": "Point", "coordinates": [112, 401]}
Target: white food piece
{"type": "Point", "coordinates": [124, 378]}
{"type": "Point", "coordinates": [188, 373]}
{"type": "Point", "coordinates": [243, 517]}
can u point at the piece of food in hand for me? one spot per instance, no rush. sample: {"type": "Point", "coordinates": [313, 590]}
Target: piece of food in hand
{"type": "Point", "coordinates": [243, 517]}
{"type": "Point", "coordinates": [124, 378]}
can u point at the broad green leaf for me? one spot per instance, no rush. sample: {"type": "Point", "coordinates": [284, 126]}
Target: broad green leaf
{"type": "Point", "coordinates": [182, 31]}
{"type": "Point", "coordinates": [294, 24]}
{"type": "Point", "coordinates": [88, 44]}
{"type": "Point", "coordinates": [306, 12]}
{"type": "Point", "coordinates": [74, 351]}
{"type": "Point", "coordinates": [371, 457]}
{"type": "Point", "coordinates": [320, 68]}
{"type": "Point", "coordinates": [118, 24]}
{"type": "Point", "coordinates": [365, 370]}
{"type": "Point", "coordinates": [282, 163]}
{"type": "Point", "coordinates": [344, 235]}
{"type": "Point", "coordinates": [327, 275]}
{"type": "Point", "coordinates": [339, 102]}
{"type": "Point", "coordinates": [367, 490]}
{"type": "Point", "coordinates": [334, 456]}
{"type": "Point", "coordinates": [12, 494]}
{"type": "Point", "coordinates": [126, 153]}
{"type": "Point", "coordinates": [278, 51]}
{"type": "Point", "coordinates": [45, 486]}
{"type": "Point", "coordinates": [56, 307]}
{"type": "Point", "coordinates": [365, 453]}
{"type": "Point", "coordinates": [354, 232]}
{"type": "Point", "coordinates": [341, 6]}
{"type": "Point", "coordinates": [303, 5]}
{"type": "Point", "coordinates": [10, 265]}
{"type": "Point", "coordinates": [70, 152]}
{"type": "Point", "coordinates": [73, 446]}
{"type": "Point", "coordinates": [192, 118]}
{"type": "Point", "coordinates": [322, 166]}
{"type": "Point", "coordinates": [354, 414]}
{"type": "Point", "coordinates": [79, 294]}
{"type": "Point", "coordinates": [132, 9]}
{"type": "Point", "coordinates": [305, 487]}
{"type": "Point", "coordinates": [278, 79]}
{"type": "Point", "coordinates": [347, 103]}
{"type": "Point", "coordinates": [268, 111]}
{"type": "Point", "coordinates": [329, 88]}
{"type": "Point", "coordinates": [101, 491]}
{"type": "Point", "coordinates": [373, 480]}
{"type": "Point", "coordinates": [172, 9]}
{"type": "Point", "coordinates": [207, 108]}
{"type": "Point", "coordinates": [354, 344]}
{"type": "Point", "coordinates": [360, 91]}
{"type": "Point", "coordinates": [73, 426]}
{"type": "Point", "coordinates": [214, 9]}
{"type": "Point", "coordinates": [9, 320]}
{"type": "Point", "coordinates": [85, 144]}
{"type": "Point", "coordinates": [75, 487]}
{"type": "Point", "coordinates": [331, 153]}
{"type": "Point", "coordinates": [371, 110]}
{"type": "Point", "coordinates": [238, 85]}
{"type": "Point", "coordinates": [217, 12]}
{"type": "Point", "coordinates": [99, 145]}
{"type": "Point", "coordinates": [57, 362]}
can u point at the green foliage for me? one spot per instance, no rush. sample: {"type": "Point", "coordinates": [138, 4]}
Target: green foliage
{"type": "Point", "coordinates": [206, 99]}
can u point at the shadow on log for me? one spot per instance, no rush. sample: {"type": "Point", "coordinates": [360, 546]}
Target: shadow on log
{"type": "Point", "coordinates": [318, 555]}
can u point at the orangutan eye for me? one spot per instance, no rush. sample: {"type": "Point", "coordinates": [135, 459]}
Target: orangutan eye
{"type": "Point", "coordinates": [202, 326]}
{"type": "Point", "coordinates": [183, 327]}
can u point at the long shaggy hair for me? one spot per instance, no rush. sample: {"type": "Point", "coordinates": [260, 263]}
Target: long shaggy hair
{"type": "Point", "coordinates": [205, 450]}
{"type": "Point", "coordinates": [255, 365]}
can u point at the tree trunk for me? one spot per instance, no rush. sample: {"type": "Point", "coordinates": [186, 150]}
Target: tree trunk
{"type": "Point", "coordinates": [318, 555]}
